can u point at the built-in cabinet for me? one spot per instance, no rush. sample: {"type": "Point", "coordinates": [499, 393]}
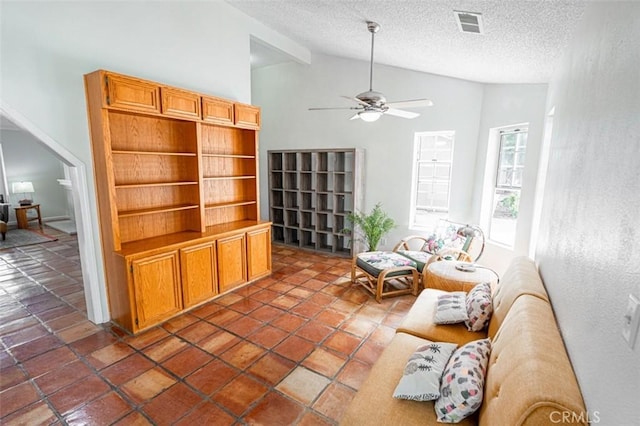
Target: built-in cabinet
{"type": "Point", "coordinates": [177, 185]}
{"type": "Point", "coordinates": [311, 193]}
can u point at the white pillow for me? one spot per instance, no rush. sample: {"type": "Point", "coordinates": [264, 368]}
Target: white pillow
{"type": "Point", "coordinates": [479, 307]}
{"type": "Point", "coordinates": [462, 385]}
{"type": "Point", "coordinates": [451, 308]}
{"type": "Point", "coordinates": [423, 372]}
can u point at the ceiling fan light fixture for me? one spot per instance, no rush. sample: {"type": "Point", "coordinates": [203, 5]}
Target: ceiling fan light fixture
{"type": "Point", "coordinates": [369, 116]}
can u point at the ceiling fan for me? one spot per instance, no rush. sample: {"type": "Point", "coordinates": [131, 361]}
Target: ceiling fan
{"type": "Point", "coordinates": [371, 104]}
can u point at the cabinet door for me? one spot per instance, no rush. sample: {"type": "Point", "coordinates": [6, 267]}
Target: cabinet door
{"type": "Point", "coordinates": [259, 252]}
{"type": "Point", "coordinates": [247, 116]}
{"type": "Point", "coordinates": [132, 94]}
{"type": "Point", "coordinates": [180, 103]}
{"type": "Point", "coordinates": [198, 267]}
{"type": "Point", "coordinates": [232, 264]}
{"type": "Point", "coordinates": [216, 110]}
{"type": "Point", "coordinates": [156, 286]}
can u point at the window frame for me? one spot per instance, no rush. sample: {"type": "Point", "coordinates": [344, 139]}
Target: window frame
{"type": "Point", "coordinates": [417, 179]}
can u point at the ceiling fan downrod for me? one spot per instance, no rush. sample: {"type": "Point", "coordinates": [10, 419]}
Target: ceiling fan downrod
{"type": "Point", "coordinates": [373, 29]}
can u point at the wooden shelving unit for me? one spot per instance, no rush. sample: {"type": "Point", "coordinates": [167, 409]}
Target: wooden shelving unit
{"type": "Point", "coordinates": [177, 185]}
{"type": "Point", "coordinates": [311, 193]}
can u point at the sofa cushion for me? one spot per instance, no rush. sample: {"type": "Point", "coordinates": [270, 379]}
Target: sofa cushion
{"type": "Point", "coordinates": [462, 386]}
{"type": "Point", "coordinates": [479, 307]}
{"type": "Point", "coordinates": [451, 308]}
{"type": "Point", "coordinates": [420, 379]}
{"type": "Point", "coordinates": [529, 376]}
{"type": "Point", "coordinates": [520, 278]}
{"type": "Point", "coordinates": [374, 404]}
{"type": "Point", "coordinates": [419, 322]}
{"type": "Point", "coordinates": [374, 262]}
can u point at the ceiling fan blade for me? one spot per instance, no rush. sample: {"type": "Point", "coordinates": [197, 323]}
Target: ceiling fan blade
{"type": "Point", "coordinates": [356, 100]}
{"type": "Point", "coordinates": [401, 113]}
{"type": "Point", "coordinates": [355, 117]}
{"type": "Point", "coordinates": [318, 109]}
{"type": "Point", "coordinates": [415, 103]}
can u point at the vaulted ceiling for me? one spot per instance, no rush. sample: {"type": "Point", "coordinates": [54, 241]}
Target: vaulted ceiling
{"type": "Point", "coordinates": [522, 40]}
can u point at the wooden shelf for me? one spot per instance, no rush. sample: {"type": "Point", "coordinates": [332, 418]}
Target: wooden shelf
{"type": "Point", "coordinates": [249, 157]}
{"type": "Point", "coordinates": [144, 185]}
{"type": "Point", "coordinates": [174, 154]}
{"type": "Point", "coordinates": [141, 212]}
{"type": "Point", "coordinates": [230, 204]}
{"type": "Point", "coordinates": [229, 177]}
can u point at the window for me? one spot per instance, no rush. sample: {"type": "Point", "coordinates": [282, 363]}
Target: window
{"type": "Point", "coordinates": [508, 184]}
{"type": "Point", "coordinates": [431, 179]}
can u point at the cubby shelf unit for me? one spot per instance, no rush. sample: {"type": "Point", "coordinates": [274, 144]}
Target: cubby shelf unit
{"type": "Point", "coordinates": [311, 193]}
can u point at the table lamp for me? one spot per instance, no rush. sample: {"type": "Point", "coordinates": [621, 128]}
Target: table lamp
{"type": "Point", "coordinates": [23, 188]}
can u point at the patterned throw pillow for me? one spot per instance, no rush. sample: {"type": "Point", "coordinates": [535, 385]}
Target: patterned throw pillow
{"type": "Point", "coordinates": [451, 308]}
{"type": "Point", "coordinates": [423, 372]}
{"type": "Point", "coordinates": [462, 385]}
{"type": "Point", "coordinates": [479, 307]}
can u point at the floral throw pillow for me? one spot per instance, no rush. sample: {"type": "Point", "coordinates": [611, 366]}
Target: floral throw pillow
{"type": "Point", "coordinates": [479, 307]}
{"type": "Point", "coordinates": [462, 385]}
{"type": "Point", "coordinates": [423, 372]}
{"type": "Point", "coordinates": [451, 308]}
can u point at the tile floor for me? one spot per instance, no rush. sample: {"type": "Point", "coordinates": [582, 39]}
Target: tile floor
{"type": "Point", "coordinates": [292, 348]}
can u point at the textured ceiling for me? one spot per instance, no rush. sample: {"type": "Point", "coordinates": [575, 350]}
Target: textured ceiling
{"type": "Point", "coordinates": [522, 40]}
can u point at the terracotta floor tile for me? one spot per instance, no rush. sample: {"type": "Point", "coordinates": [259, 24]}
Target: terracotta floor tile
{"type": "Point", "coordinates": [36, 347]}
{"type": "Point", "coordinates": [133, 419]}
{"type": "Point", "coordinates": [393, 320]}
{"type": "Point", "coordinates": [34, 414]}
{"type": "Point", "coordinates": [223, 317]}
{"type": "Point", "coordinates": [94, 342]}
{"type": "Point", "coordinates": [382, 335]}
{"type": "Point", "coordinates": [275, 409]}
{"type": "Point", "coordinates": [358, 326]}
{"type": "Point", "coordinates": [265, 296]}
{"type": "Point", "coordinates": [147, 385]}
{"type": "Point", "coordinates": [27, 334]}
{"type": "Point", "coordinates": [331, 317]}
{"type": "Point", "coordinates": [314, 331]}
{"type": "Point", "coordinates": [243, 354]}
{"type": "Point", "coordinates": [266, 313]}
{"type": "Point", "coordinates": [272, 368]}
{"type": "Point", "coordinates": [126, 369]}
{"type": "Point", "coordinates": [354, 373]}
{"type": "Point", "coordinates": [239, 394]}
{"type": "Point", "coordinates": [268, 336]}
{"type": "Point", "coordinates": [284, 302]}
{"type": "Point", "coordinates": [345, 306]}
{"type": "Point", "coordinates": [289, 322]}
{"type": "Point", "coordinates": [179, 322]}
{"type": "Point", "coordinates": [244, 326]}
{"type": "Point", "coordinates": [245, 305]}
{"type": "Point", "coordinates": [109, 355]}
{"type": "Point", "coordinates": [294, 348]}
{"type": "Point", "coordinates": [171, 404]}
{"type": "Point", "coordinates": [21, 323]}
{"type": "Point", "coordinates": [187, 361]}
{"type": "Point", "coordinates": [147, 338]}
{"type": "Point", "coordinates": [218, 342]}
{"type": "Point", "coordinates": [300, 293]}
{"type": "Point", "coordinates": [58, 313]}
{"type": "Point", "coordinates": [228, 299]}
{"type": "Point", "coordinates": [165, 348]}
{"type": "Point", "coordinates": [322, 299]}
{"type": "Point", "coordinates": [313, 419]}
{"type": "Point", "coordinates": [315, 284]}
{"type": "Point", "coordinates": [11, 376]}
{"type": "Point", "coordinates": [372, 313]}
{"type": "Point", "coordinates": [325, 362]}
{"type": "Point", "coordinates": [334, 401]}
{"type": "Point", "coordinates": [206, 310]}
{"type": "Point", "coordinates": [80, 330]}
{"type": "Point", "coordinates": [369, 352]}
{"type": "Point", "coordinates": [206, 413]}
{"type": "Point", "coordinates": [102, 411]}
{"type": "Point", "coordinates": [63, 376]}
{"type": "Point", "coordinates": [197, 331]}
{"type": "Point", "coordinates": [17, 397]}
{"type": "Point", "coordinates": [49, 361]}
{"type": "Point", "coordinates": [73, 396]}
{"type": "Point", "coordinates": [212, 377]}
{"type": "Point", "coordinates": [303, 385]}
{"type": "Point", "coordinates": [307, 309]}
{"type": "Point", "coordinates": [342, 342]}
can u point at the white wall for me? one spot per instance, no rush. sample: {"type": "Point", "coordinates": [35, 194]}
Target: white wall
{"type": "Point", "coordinates": [285, 92]}
{"type": "Point", "coordinates": [589, 245]}
{"type": "Point", "coordinates": [26, 159]}
{"type": "Point", "coordinates": [46, 48]}
{"type": "Point", "coordinates": [505, 105]}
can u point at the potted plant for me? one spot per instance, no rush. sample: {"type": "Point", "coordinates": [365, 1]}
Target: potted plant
{"type": "Point", "coordinates": [372, 227]}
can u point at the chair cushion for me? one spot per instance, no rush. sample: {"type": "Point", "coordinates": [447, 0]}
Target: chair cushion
{"type": "Point", "coordinates": [420, 257]}
{"type": "Point", "coordinates": [374, 262]}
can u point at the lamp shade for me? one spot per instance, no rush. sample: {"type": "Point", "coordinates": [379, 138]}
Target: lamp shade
{"type": "Point", "coordinates": [22, 187]}
{"type": "Point", "coordinates": [369, 116]}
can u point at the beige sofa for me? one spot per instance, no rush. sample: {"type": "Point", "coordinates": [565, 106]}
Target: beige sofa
{"type": "Point", "coordinates": [529, 379]}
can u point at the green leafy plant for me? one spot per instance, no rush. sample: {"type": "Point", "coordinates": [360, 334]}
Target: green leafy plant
{"type": "Point", "coordinates": [371, 226]}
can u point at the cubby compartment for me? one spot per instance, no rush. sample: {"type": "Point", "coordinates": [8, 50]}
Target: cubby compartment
{"type": "Point", "coordinates": [277, 199]}
{"type": "Point", "coordinates": [139, 133]}
{"type": "Point", "coordinates": [307, 220]}
{"type": "Point", "coordinates": [324, 241]}
{"type": "Point", "coordinates": [307, 239]}
{"type": "Point", "coordinates": [228, 141]}
{"type": "Point", "coordinates": [275, 161]}
{"type": "Point", "coordinates": [291, 199]}
{"type": "Point", "coordinates": [308, 201]}
{"type": "Point", "coordinates": [291, 180]}
{"type": "Point", "coordinates": [307, 181]}
{"type": "Point", "coordinates": [217, 166]}
{"type": "Point", "coordinates": [291, 218]}
{"type": "Point", "coordinates": [277, 216]}
{"type": "Point", "coordinates": [277, 233]}
{"type": "Point", "coordinates": [291, 236]}
{"type": "Point", "coordinates": [290, 162]}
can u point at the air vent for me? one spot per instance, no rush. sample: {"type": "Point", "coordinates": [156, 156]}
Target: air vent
{"type": "Point", "coordinates": [469, 22]}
